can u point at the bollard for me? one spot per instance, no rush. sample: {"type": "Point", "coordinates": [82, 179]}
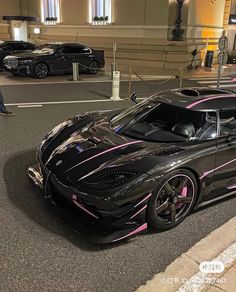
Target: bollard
{"type": "Point", "coordinates": [130, 80]}
{"type": "Point", "coordinates": [113, 68]}
{"type": "Point", "coordinates": [75, 67]}
{"type": "Point", "coordinates": [116, 86]}
{"type": "Point", "coordinates": [181, 77]}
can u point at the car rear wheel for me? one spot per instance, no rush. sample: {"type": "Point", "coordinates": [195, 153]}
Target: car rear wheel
{"type": "Point", "coordinates": [94, 67]}
{"type": "Point", "coordinates": [40, 70]}
{"type": "Point", "coordinates": [172, 200]}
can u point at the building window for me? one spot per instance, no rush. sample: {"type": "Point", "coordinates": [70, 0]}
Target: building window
{"type": "Point", "coordinates": [100, 13]}
{"type": "Point", "coordinates": [50, 11]}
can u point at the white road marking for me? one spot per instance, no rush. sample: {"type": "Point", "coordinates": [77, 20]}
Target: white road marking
{"type": "Point", "coordinates": [209, 78]}
{"type": "Point", "coordinates": [39, 104]}
{"type": "Point", "coordinates": [198, 281]}
{"type": "Point", "coordinates": [59, 102]}
{"type": "Point", "coordinates": [215, 81]}
{"type": "Point", "coordinates": [223, 85]}
{"type": "Point", "coordinates": [29, 106]}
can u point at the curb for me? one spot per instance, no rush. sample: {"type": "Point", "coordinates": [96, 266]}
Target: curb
{"type": "Point", "coordinates": [177, 275]}
{"type": "Point", "coordinates": [151, 77]}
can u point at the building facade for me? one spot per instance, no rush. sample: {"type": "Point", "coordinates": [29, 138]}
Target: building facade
{"type": "Point", "coordinates": [142, 29]}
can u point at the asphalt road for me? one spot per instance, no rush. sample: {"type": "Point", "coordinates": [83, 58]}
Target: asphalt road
{"type": "Point", "coordinates": [39, 251]}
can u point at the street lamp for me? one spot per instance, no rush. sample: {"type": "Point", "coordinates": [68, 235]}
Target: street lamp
{"type": "Point", "coordinates": [178, 31]}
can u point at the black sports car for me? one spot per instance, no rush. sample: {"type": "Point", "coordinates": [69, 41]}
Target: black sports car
{"type": "Point", "coordinates": [54, 59]}
{"type": "Point", "coordinates": [13, 47]}
{"type": "Point", "coordinates": [146, 166]}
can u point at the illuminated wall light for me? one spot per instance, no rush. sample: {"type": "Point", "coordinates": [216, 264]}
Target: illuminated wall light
{"type": "Point", "coordinates": [37, 30]}
{"type": "Point", "coordinates": [42, 12]}
{"type": "Point", "coordinates": [90, 12]}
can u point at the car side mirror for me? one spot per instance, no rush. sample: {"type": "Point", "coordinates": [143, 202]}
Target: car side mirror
{"type": "Point", "coordinates": [133, 97]}
{"type": "Point", "coordinates": [229, 139]}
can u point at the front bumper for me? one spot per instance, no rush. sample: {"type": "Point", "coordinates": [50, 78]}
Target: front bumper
{"type": "Point", "coordinates": [98, 225]}
{"type": "Point", "coordinates": [20, 69]}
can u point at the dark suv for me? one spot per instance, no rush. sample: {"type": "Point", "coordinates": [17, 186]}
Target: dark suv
{"type": "Point", "coordinates": [12, 47]}
{"type": "Point", "coordinates": [54, 59]}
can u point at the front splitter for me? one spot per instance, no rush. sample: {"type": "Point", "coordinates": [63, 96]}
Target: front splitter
{"type": "Point", "coordinates": [91, 229]}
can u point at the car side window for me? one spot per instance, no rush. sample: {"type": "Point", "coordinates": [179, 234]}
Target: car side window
{"type": "Point", "coordinates": [25, 46]}
{"type": "Point", "coordinates": [84, 50]}
{"type": "Point", "coordinates": [228, 122]}
{"type": "Point", "coordinates": [29, 47]}
{"type": "Point", "coordinates": [65, 50]}
{"type": "Point", "coordinates": [7, 47]}
{"type": "Point", "coordinates": [19, 46]}
{"type": "Point", "coordinates": [208, 127]}
{"type": "Point", "coordinates": [79, 50]}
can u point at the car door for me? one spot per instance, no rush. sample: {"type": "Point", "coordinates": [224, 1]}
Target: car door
{"type": "Point", "coordinates": [5, 50]}
{"type": "Point", "coordinates": [81, 54]}
{"type": "Point", "coordinates": [62, 59]}
{"type": "Point", "coordinates": [84, 56]}
{"type": "Point", "coordinates": [225, 171]}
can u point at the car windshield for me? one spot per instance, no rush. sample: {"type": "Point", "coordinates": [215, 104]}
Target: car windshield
{"type": "Point", "coordinates": [155, 121]}
{"type": "Point", "coordinates": [45, 49]}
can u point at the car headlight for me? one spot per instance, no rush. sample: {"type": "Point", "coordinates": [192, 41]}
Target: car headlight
{"type": "Point", "coordinates": [110, 179]}
{"type": "Point", "coordinates": [25, 62]}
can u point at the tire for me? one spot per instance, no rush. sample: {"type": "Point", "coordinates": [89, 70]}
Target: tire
{"type": "Point", "coordinates": [40, 70]}
{"type": "Point", "coordinates": [172, 200]}
{"type": "Point", "coordinates": [94, 67]}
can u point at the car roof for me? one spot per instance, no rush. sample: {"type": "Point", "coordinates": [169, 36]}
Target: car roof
{"type": "Point", "coordinates": [65, 44]}
{"type": "Point", "coordinates": [199, 98]}
{"type": "Point", "coordinates": [12, 41]}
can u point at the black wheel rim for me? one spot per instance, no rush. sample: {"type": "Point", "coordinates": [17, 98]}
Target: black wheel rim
{"type": "Point", "coordinates": [93, 67]}
{"type": "Point", "coordinates": [41, 70]}
{"type": "Point", "coordinates": [174, 199]}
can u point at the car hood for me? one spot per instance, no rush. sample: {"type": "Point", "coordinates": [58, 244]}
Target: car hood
{"type": "Point", "coordinates": [28, 55]}
{"type": "Point", "coordinates": [98, 150]}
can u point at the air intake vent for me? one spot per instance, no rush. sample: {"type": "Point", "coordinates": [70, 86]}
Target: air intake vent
{"type": "Point", "coordinates": [189, 92]}
{"type": "Point", "coordinates": [169, 151]}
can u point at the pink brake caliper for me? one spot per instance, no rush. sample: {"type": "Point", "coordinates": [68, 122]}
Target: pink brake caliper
{"type": "Point", "coordinates": [183, 193]}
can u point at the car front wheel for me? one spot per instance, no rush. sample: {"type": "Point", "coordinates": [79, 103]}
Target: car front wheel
{"type": "Point", "coordinates": [40, 70]}
{"type": "Point", "coordinates": [172, 200]}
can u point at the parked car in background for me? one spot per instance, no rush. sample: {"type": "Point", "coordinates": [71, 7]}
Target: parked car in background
{"type": "Point", "coordinates": [54, 59]}
{"type": "Point", "coordinates": [13, 47]}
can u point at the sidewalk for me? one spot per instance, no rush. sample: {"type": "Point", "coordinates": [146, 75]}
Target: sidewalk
{"type": "Point", "coordinates": [210, 265]}
{"type": "Point", "coordinates": [105, 76]}
{"type": "Point", "coordinates": [228, 70]}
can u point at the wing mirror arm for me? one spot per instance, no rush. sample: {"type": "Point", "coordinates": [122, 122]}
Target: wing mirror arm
{"type": "Point", "coordinates": [133, 97]}
{"type": "Point", "coordinates": [229, 139]}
